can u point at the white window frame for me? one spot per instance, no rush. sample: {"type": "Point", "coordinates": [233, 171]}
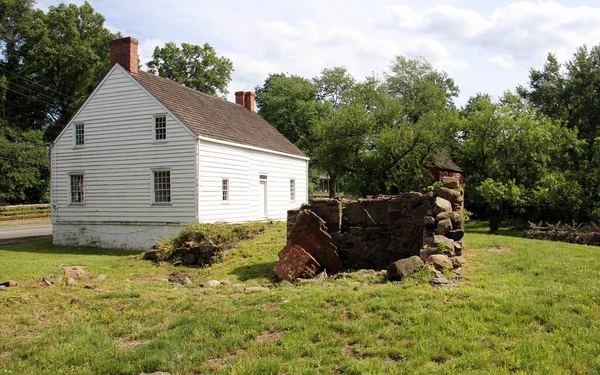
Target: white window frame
{"type": "Point", "coordinates": [154, 191]}
{"type": "Point", "coordinates": [292, 190]}
{"type": "Point", "coordinates": [76, 138]}
{"type": "Point", "coordinates": [155, 118]}
{"type": "Point", "coordinates": [82, 201]}
{"type": "Point", "coordinates": [225, 190]}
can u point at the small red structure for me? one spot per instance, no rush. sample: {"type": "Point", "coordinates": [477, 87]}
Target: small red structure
{"type": "Point", "coordinates": [443, 166]}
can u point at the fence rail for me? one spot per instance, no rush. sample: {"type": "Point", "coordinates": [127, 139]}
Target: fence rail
{"type": "Point", "coordinates": [28, 211]}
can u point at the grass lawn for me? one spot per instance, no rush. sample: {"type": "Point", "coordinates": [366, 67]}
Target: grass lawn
{"type": "Point", "coordinates": [523, 306]}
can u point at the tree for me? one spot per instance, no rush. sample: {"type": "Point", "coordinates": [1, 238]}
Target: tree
{"type": "Point", "coordinates": [23, 166]}
{"type": "Point", "coordinates": [49, 64]}
{"type": "Point", "coordinates": [570, 93]}
{"type": "Point", "coordinates": [511, 154]}
{"type": "Point", "coordinates": [289, 103]}
{"type": "Point", "coordinates": [194, 66]}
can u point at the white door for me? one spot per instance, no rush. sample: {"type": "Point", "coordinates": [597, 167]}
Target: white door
{"type": "Point", "coordinates": [262, 199]}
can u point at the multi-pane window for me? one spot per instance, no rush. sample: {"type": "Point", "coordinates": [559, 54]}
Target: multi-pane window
{"type": "Point", "coordinates": [225, 189]}
{"type": "Point", "coordinates": [160, 128]}
{"type": "Point", "coordinates": [79, 135]}
{"type": "Point", "coordinates": [292, 190]}
{"type": "Point", "coordinates": [77, 189]}
{"type": "Point", "coordinates": [162, 186]}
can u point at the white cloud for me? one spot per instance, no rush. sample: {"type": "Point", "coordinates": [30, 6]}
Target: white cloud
{"type": "Point", "coordinates": [504, 60]}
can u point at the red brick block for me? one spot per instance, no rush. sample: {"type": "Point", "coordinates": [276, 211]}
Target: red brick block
{"type": "Point", "coordinates": [294, 262]}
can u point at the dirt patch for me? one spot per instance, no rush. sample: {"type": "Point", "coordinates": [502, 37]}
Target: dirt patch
{"type": "Point", "coordinates": [501, 249]}
{"type": "Point", "coordinates": [5, 355]}
{"type": "Point", "coordinates": [269, 336]}
{"type": "Point", "coordinates": [218, 363]}
{"type": "Point", "coordinates": [125, 343]}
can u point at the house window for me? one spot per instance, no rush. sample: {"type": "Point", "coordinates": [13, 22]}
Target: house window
{"type": "Point", "coordinates": [76, 190]}
{"type": "Point", "coordinates": [292, 190]}
{"type": "Point", "coordinates": [79, 139]}
{"type": "Point", "coordinates": [225, 189]}
{"type": "Point", "coordinates": [162, 186]}
{"type": "Point", "coordinates": [160, 128]}
{"type": "Point", "coordinates": [262, 177]}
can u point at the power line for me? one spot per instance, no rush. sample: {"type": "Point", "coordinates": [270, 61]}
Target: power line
{"type": "Point", "coordinates": [32, 90]}
{"type": "Point", "coordinates": [37, 164]}
{"type": "Point", "coordinates": [35, 83]}
{"type": "Point", "coordinates": [32, 98]}
{"type": "Point", "coordinates": [30, 117]}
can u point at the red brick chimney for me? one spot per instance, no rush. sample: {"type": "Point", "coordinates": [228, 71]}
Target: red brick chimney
{"type": "Point", "coordinates": [125, 52]}
{"type": "Point", "coordinates": [249, 100]}
{"type": "Point", "coordinates": [239, 98]}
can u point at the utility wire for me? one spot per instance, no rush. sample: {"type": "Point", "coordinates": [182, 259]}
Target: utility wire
{"type": "Point", "coordinates": [32, 98]}
{"type": "Point", "coordinates": [35, 83]}
{"type": "Point", "coordinates": [32, 90]}
{"type": "Point", "coordinates": [37, 164]}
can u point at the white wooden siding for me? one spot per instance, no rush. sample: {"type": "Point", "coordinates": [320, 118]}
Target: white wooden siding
{"type": "Point", "coordinates": [118, 157]}
{"type": "Point", "coordinates": [242, 167]}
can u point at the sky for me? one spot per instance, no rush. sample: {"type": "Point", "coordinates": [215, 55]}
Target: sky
{"type": "Point", "coordinates": [485, 46]}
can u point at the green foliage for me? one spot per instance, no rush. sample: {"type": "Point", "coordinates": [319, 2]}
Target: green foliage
{"type": "Point", "coordinates": [24, 167]}
{"type": "Point", "coordinates": [194, 66]}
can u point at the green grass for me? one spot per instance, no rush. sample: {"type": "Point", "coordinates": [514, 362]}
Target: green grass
{"type": "Point", "coordinates": [524, 307]}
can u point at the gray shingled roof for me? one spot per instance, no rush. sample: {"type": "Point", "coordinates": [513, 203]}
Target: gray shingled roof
{"type": "Point", "coordinates": [444, 162]}
{"type": "Point", "coordinates": [216, 118]}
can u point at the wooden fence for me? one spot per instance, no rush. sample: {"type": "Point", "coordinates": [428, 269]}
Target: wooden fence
{"type": "Point", "coordinates": [29, 211]}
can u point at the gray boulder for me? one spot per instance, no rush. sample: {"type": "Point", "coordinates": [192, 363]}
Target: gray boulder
{"type": "Point", "coordinates": [403, 268]}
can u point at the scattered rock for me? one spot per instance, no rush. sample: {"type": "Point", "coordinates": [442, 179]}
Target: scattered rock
{"type": "Point", "coordinates": [213, 283]}
{"type": "Point", "coordinates": [444, 227]}
{"type": "Point", "coordinates": [238, 286]}
{"type": "Point", "coordinates": [403, 268]}
{"type": "Point", "coordinates": [181, 278]}
{"type": "Point", "coordinates": [257, 289]}
{"type": "Point", "coordinates": [2, 287]}
{"type": "Point", "coordinates": [285, 284]}
{"type": "Point", "coordinates": [225, 281]}
{"type": "Point", "coordinates": [429, 221]}
{"type": "Point", "coordinates": [151, 255]}
{"type": "Point", "coordinates": [440, 261]}
{"type": "Point", "coordinates": [321, 276]}
{"type": "Point", "coordinates": [101, 277]}
{"type": "Point", "coordinates": [442, 282]}
{"type": "Point", "coordinates": [76, 301]}
{"type": "Point", "coordinates": [441, 205]}
{"type": "Point", "coordinates": [156, 373]}
{"type": "Point", "coordinates": [89, 286]}
{"type": "Point", "coordinates": [309, 281]}
{"type": "Point", "coordinates": [450, 182]}
{"type": "Point", "coordinates": [458, 261]}
{"type": "Point", "coordinates": [9, 283]}
{"type": "Point", "coordinates": [53, 279]}
{"type": "Point", "coordinates": [75, 272]}
{"type": "Point", "coordinates": [458, 247]}
{"type": "Point", "coordinates": [71, 282]}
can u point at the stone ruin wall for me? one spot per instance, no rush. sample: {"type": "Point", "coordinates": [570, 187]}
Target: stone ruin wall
{"type": "Point", "coordinates": [372, 233]}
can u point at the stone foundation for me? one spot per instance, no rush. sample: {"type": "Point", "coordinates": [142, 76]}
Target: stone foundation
{"type": "Point", "coordinates": [376, 232]}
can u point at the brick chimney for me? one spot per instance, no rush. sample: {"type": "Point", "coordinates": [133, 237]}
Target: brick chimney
{"type": "Point", "coordinates": [239, 98]}
{"type": "Point", "coordinates": [249, 100]}
{"type": "Point", "coordinates": [125, 52]}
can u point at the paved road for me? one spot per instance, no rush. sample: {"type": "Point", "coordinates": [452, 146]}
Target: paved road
{"type": "Point", "coordinates": [25, 231]}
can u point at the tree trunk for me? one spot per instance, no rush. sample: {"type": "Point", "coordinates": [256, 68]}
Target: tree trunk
{"type": "Point", "coordinates": [495, 220]}
{"type": "Point", "coordinates": [332, 179]}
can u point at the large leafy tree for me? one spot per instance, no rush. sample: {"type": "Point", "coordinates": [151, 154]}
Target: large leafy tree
{"type": "Point", "coordinates": [49, 64]}
{"type": "Point", "coordinates": [516, 160]}
{"type": "Point", "coordinates": [289, 103]}
{"type": "Point", "coordinates": [570, 93]}
{"type": "Point", "coordinates": [194, 66]}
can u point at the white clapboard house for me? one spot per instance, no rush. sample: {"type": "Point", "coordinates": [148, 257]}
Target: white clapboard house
{"type": "Point", "coordinates": [144, 156]}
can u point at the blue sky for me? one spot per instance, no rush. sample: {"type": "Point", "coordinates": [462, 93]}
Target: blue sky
{"type": "Point", "coordinates": [485, 46]}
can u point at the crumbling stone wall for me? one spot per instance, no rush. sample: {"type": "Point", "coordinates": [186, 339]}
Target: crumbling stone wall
{"type": "Point", "coordinates": [375, 232]}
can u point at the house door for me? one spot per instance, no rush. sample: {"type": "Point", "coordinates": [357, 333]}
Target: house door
{"type": "Point", "coordinates": [262, 199]}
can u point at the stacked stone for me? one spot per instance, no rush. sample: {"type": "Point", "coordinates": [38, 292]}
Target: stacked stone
{"type": "Point", "coordinates": [444, 224]}
{"type": "Point", "coordinates": [191, 253]}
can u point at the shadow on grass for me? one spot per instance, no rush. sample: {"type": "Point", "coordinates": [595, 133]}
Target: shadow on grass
{"type": "Point", "coordinates": [45, 246]}
{"type": "Point", "coordinates": [508, 229]}
{"type": "Point", "coordinates": [255, 271]}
